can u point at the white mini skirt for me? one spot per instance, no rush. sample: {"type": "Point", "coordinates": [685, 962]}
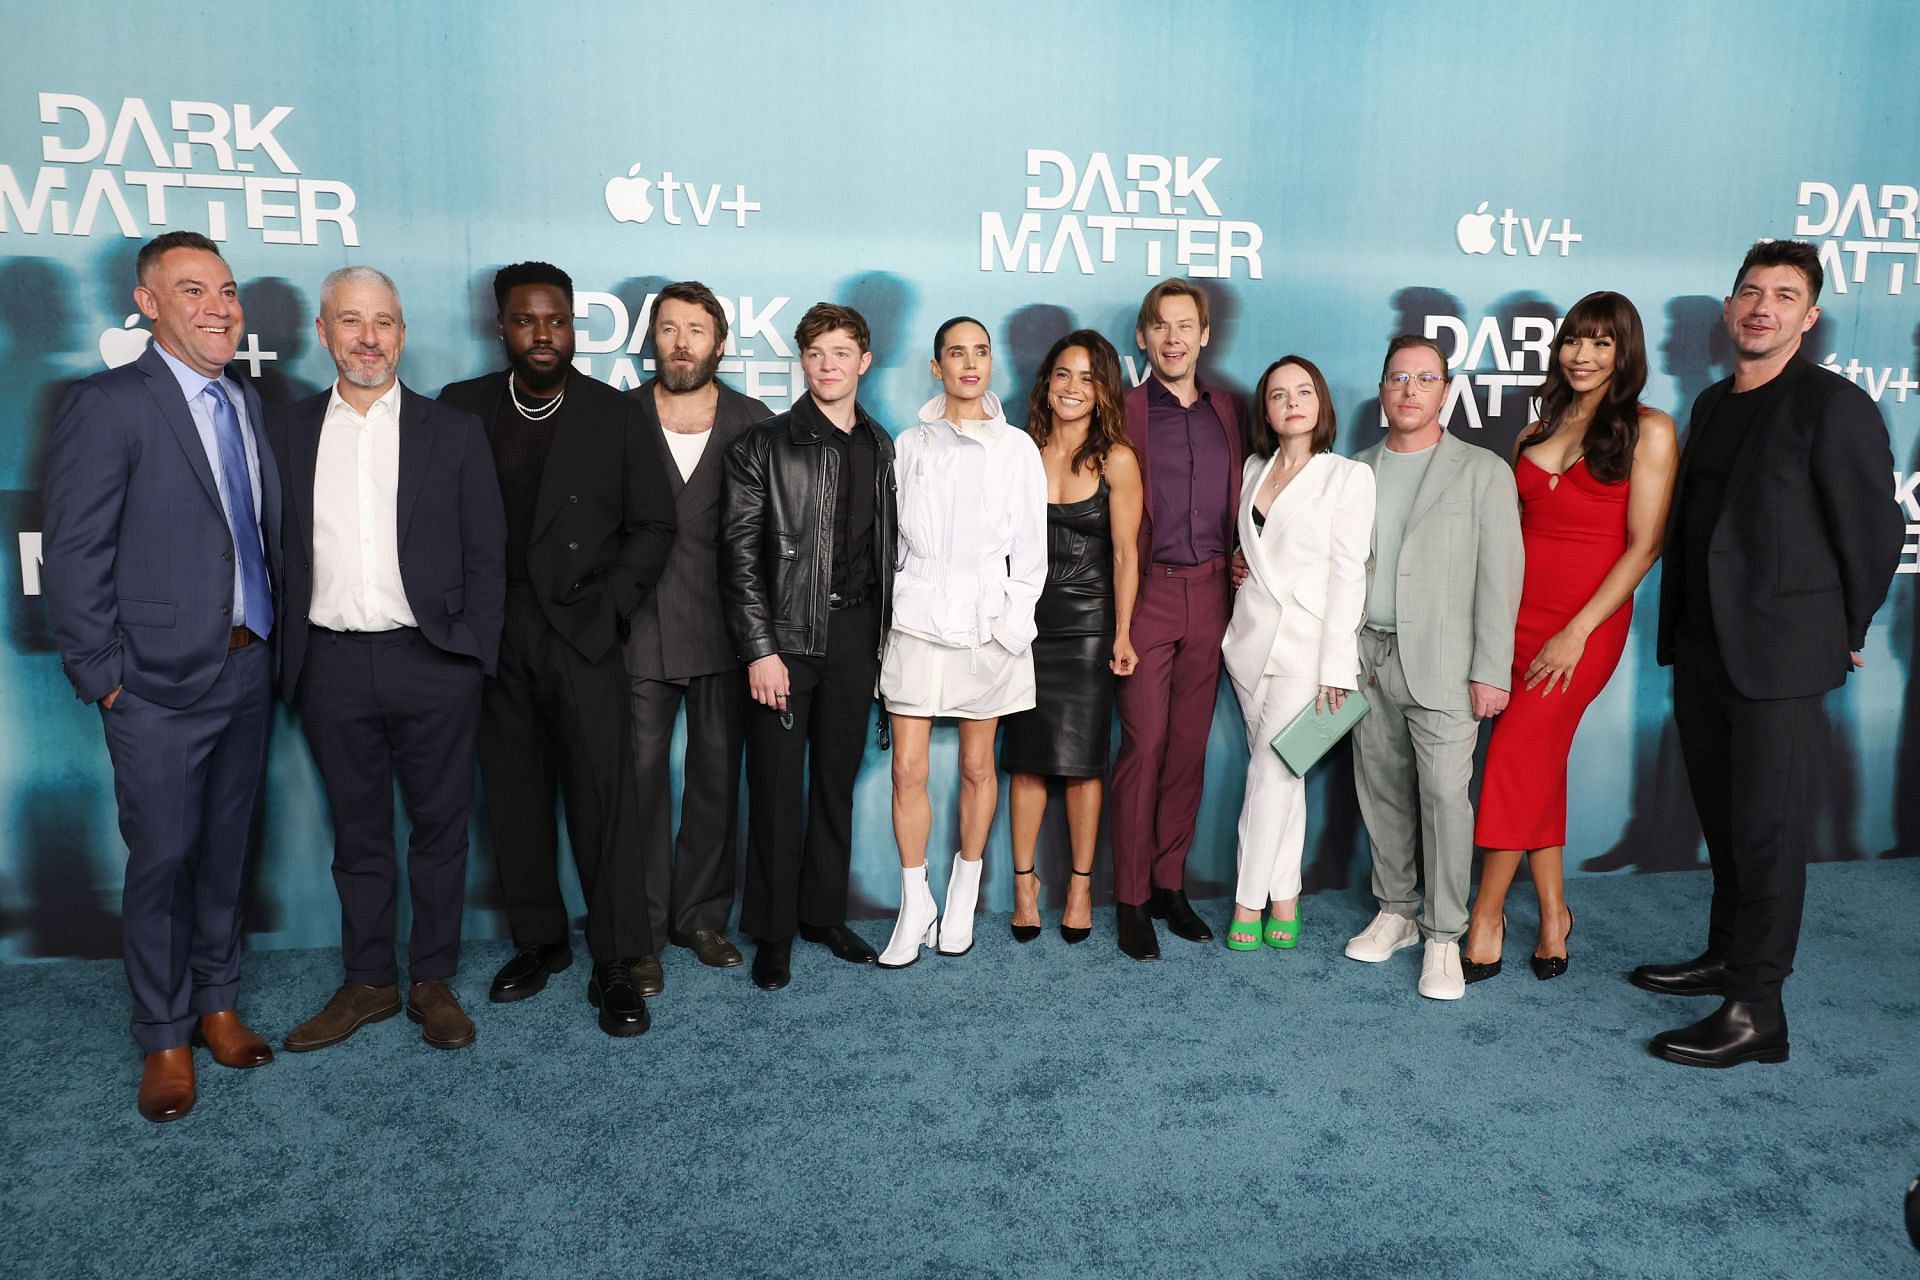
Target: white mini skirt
{"type": "Point", "coordinates": [922, 678]}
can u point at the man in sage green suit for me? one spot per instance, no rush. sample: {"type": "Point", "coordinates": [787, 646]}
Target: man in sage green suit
{"type": "Point", "coordinates": [1436, 655]}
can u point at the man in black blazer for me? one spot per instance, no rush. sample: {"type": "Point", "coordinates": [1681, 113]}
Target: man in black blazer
{"type": "Point", "coordinates": [679, 649]}
{"type": "Point", "coordinates": [1781, 544]}
{"type": "Point", "coordinates": [161, 551]}
{"type": "Point", "coordinates": [589, 525]}
{"type": "Point", "coordinates": [394, 592]}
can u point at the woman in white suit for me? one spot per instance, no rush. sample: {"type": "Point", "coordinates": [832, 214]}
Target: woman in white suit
{"type": "Point", "coordinates": [1305, 523]}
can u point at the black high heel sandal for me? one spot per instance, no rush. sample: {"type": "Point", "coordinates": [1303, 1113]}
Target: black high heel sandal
{"type": "Point", "coordinates": [1474, 972]}
{"type": "Point", "coordinates": [1069, 932]}
{"type": "Point", "coordinates": [1028, 932]}
{"type": "Point", "coordinates": [1545, 967]}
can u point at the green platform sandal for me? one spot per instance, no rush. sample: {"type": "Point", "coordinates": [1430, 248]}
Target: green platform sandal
{"type": "Point", "coordinates": [1284, 934]}
{"type": "Point", "coordinates": [1243, 935]}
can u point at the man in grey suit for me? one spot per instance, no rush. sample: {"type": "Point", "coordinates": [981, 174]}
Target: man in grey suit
{"type": "Point", "coordinates": [1443, 589]}
{"type": "Point", "coordinates": [679, 649]}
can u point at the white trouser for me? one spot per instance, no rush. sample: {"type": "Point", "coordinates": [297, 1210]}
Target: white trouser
{"type": "Point", "coordinates": [1273, 817]}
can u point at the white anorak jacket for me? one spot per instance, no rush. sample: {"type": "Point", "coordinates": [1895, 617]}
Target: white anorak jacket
{"type": "Point", "coordinates": [973, 530]}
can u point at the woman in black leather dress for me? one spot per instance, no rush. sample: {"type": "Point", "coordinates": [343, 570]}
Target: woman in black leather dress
{"type": "Point", "coordinates": [1077, 416]}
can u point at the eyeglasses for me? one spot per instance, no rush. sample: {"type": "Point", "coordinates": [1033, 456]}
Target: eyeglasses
{"type": "Point", "coordinates": [1422, 381]}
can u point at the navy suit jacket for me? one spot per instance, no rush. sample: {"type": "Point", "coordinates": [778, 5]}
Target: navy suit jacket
{"type": "Point", "coordinates": [452, 530]}
{"type": "Point", "coordinates": [137, 553]}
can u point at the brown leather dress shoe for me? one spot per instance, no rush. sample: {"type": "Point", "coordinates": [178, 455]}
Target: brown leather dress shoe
{"type": "Point", "coordinates": [232, 1041]}
{"type": "Point", "coordinates": [711, 947]}
{"type": "Point", "coordinates": [352, 1007]}
{"type": "Point", "coordinates": [443, 1023]}
{"type": "Point", "coordinates": [166, 1085]}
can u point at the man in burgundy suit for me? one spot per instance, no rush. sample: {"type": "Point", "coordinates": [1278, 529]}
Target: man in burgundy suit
{"type": "Point", "coordinates": [1187, 437]}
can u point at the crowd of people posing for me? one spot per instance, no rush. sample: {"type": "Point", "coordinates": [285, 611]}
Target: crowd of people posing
{"type": "Point", "coordinates": [542, 571]}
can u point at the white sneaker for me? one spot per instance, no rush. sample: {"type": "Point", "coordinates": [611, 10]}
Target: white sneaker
{"type": "Point", "coordinates": [963, 895]}
{"type": "Point", "coordinates": [918, 924]}
{"type": "Point", "coordinates": [1387, 934]}
{"type": "Point", "coordinates": [1440, 976]}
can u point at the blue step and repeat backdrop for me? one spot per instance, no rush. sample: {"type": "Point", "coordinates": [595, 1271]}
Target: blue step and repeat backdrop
{"type": "Point", "coordinates": [1334, 174]}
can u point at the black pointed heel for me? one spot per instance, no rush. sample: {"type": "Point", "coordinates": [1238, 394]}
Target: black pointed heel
{"type": "Point", "coordinates": [1069, 932]}
{"type": "Point", "coordinates": [1546, 967]}
{"type": "Point", "coordinates": [1474, 972]}
{"type": "Point", "coordinates": [1028, 932]}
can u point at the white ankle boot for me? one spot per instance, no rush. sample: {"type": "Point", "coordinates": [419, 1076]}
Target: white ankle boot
{"type": "Point", "coordinates": [918, 924]}
{"type": "Point", "coordinates": [963, 893]}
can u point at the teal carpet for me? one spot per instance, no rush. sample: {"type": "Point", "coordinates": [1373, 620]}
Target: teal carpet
{"type": "Point", "coordinates": [1025, 1111]}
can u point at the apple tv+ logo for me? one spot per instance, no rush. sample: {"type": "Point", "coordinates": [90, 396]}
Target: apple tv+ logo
{"type": "Point", "coordinates": [636, 198]}
{"type": "Point", "coordinates": [1474, 233]}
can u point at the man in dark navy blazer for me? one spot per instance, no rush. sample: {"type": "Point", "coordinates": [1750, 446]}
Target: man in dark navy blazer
{"type": "Point", "coordinates": [395, 588]}
{"type": "Point", "coordinates": [161, 541]}
{"type": "Point", "coordinates": [1781, 545]}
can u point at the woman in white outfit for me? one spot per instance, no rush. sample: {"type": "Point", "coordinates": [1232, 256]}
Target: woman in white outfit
{"type": "Point", "coordinates": [971, 562]}
{"type": "Point", "coordinates": [1306, 523]}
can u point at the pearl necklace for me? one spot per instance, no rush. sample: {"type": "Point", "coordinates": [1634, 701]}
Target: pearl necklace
{"type": "Point", "coordinates": [535, 415]}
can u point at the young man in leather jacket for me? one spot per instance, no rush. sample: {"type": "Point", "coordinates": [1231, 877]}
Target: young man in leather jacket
{"type": "Point", "coordinates": [807, 543]}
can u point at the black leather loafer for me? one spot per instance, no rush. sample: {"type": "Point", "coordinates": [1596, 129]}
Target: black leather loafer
{"type": "Point", "coordinates": [622, 1010]}
{"type": "Point", "coordinates": [842, 941]}
{"type": "Point", "coordinates": [1704, 975]}
{"type": "Point", "coordinates": [527, 973]}
{"type": "Point", "coordinates": [772, 964]}
{"type": "Point", "coordinates": [1738, 1031]}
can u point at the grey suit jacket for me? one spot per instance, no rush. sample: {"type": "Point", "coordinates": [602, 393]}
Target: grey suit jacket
{"type": "Point", "coordinates": [1461, 564]}
{"type": "Point", "coordinates": [680, 630]}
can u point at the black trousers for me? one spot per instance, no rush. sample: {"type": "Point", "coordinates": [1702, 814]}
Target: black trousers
{"type": "Point", "coordinates": [554, 725]}
{"type": "Point", "coordinates": [376, 706]}
{"type": "Point", "coordinates": [689, 880]}
{"type": "Point", "coordinates": [800, 782]}
{"type": "Point", "coordinates": [1750, 764]}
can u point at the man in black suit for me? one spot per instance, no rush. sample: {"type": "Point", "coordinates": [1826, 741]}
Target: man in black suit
{"type": "Point", "coordinates": [1781, 545]}
{"type": "Point", "coordinates": [394, 593]}
{"type": "Point", "coordinates": [807, 529]}
{"type": "Point", "coordinates": [589, 525]}
{"type": "Point", "coordinates": [162, 544]}
{"type": "Point", "coordinates": [679, 650]}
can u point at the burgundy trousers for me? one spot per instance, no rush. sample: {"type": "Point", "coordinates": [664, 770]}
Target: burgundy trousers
{"type": "Point", "coordinates": [1166, 714]}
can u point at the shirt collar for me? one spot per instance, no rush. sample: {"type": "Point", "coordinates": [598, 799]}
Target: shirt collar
{"type": "Point", "coordinates": [388, 404]}
{"type": "Point", "coordinates": [192, 382]}
{"type": "Point", "coordinates": [1157, 390]}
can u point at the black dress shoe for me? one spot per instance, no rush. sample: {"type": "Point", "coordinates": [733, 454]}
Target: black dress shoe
{"type": "Point", "coordinates": [1172, 906]}
{"type": "Point", "coordinates": [649, 979]}
{"type": "Point", "coordinates": [1704, 975]}
{"type": "Point", "coordinates": [842, 941]}
{"type": "Point", "coordinates": [1738, 1031]}
{"type": "Point", "coordinates": [622, 1010]}
{"type": "Point", "coordinates": [710, 947]}
{"type": "Point", "coordinates": [527, 973]}
{"type": "Point", "coordinates": [772, 964]}
{"type": "Point", "coordinates": [1135, 928]}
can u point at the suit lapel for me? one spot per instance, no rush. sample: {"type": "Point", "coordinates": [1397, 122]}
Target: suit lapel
{"type": "Point", "coordinates": [416, 448]}
{"type": "Point", "coordinates": [172, 402]}
{"type": "Point", "coordinates": [566, 460]}
{"type": "Point", "coordinates": [303, 453]}
{"type": "Point", "coordinates": [1447, 460]}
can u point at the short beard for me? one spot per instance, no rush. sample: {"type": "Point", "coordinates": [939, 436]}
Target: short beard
{"type": "Point", "coordinates": [681, 384]}
{"type": "Point", "coordinates": [535, 380]}
{"type": "Point", "coordinates": [365, 380]}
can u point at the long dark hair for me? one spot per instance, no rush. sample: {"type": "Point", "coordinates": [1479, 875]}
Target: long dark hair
{"type": "Point", "coordinates": [1260, 436]}
{"type": "Point", "coordinates": [1109, 425]}
{"type": "Point", "coordinates": [1615, 428]}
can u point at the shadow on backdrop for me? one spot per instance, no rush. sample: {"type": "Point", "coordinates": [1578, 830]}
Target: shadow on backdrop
{"type": "Point", "coordinates": [278, 315]}
{"type": "Point", "coordinates": [1028, 334]}
{"type": "Point", "coordinates": [886, 302]}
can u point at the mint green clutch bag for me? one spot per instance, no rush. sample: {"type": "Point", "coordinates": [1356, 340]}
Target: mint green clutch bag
{"type": "Point", "coordinates": [1311, 734]}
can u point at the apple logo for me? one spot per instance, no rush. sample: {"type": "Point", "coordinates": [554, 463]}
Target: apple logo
{"type": "Point", "coordinates": [1474, 231]}
{"type": "Point", "coordinates": [627, 198]}
{"type": "Point", "coordinates": [125, 345]}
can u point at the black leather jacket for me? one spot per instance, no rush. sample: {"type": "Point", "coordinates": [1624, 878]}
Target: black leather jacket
{"type": "Point", "coordinates": [776, 533]}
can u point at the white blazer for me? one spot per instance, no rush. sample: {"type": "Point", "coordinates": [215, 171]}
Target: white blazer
{"type": "Point", "coordinates": [1299, 612]}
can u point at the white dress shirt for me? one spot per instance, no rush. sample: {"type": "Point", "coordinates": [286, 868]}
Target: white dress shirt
{"type": "Point", "coordinates": [356, 553]}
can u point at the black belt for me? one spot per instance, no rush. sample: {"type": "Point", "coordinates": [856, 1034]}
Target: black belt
{"type": "Point", "coordinates": [852, 600]}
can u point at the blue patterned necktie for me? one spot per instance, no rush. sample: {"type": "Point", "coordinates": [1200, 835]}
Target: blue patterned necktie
{"type": "Point", "coordinates": [256, 594]}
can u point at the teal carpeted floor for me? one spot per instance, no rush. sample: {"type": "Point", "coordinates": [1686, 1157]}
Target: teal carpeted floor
{"type": "Point", "coordinates": [1038, 1110]}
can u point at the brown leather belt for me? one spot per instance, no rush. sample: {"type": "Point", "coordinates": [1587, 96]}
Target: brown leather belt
{"type": "Point", "coordinates": [239, 638]}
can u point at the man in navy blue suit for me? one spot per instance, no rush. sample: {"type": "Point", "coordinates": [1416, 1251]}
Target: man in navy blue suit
{"type": "Point", "coordinates": [160, 550]}
{"type": "Point", "coordinates": [395, 589]}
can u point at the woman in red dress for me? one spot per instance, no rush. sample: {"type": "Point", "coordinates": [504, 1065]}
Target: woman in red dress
{"type": "Point", "coordinates": [1595, 475]}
